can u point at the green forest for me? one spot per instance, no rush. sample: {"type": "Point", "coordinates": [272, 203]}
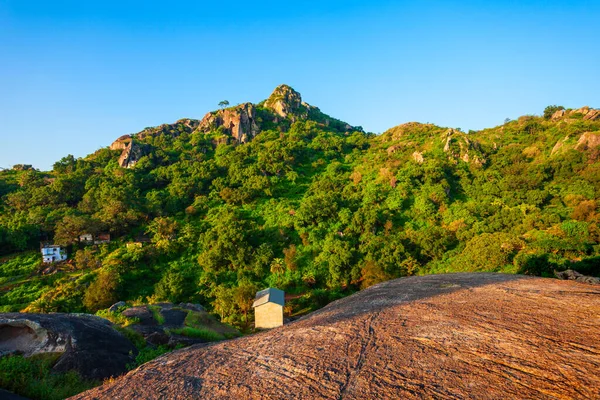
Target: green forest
{"type": "Point", "coordinates": [285, 196]}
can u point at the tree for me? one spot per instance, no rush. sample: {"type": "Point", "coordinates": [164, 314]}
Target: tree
{"type": "Point", "coordinates": [550, 110]}
{"type": "Point", "coordinates": [223, 104]}
{"type": "Point", "coordinates": [102, 293]}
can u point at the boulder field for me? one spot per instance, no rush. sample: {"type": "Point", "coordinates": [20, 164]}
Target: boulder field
{"type": "Point", "coordinates": [468, 335]}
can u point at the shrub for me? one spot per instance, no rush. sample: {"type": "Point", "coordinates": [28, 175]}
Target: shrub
{"type": "Point", "coordinates": [550, 110]}
{"type": "Point", "coordinates": [33, 377]}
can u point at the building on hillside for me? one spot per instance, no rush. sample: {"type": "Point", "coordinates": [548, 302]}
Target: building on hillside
{"type": "Point", "coordinates": [268, 308]}
{"type": "Point", "coordinates": [86, 238]}
{"type": "Point", "coordinates": [102, 238]}
{"type": "Point", "coordinates": [52, 253]}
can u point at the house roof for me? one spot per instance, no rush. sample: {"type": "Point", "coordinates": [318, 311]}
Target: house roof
{"type": "Point", "coordinates": [269, 295]}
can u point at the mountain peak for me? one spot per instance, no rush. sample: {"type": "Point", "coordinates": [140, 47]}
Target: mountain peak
{"type": "Point", "coordinates": [285, 100]}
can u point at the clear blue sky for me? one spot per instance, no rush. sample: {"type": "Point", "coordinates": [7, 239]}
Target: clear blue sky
{"type": "Point", "coordinates": [75, 75]}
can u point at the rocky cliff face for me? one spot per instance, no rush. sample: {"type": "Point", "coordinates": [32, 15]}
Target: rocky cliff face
{"type": "Point", "coordinates": [121, 143]}
{"type": "Point", "coordinates": [239, 122]}
{"type": "Point", "coordinates": [285, 101]}
{"type": "Point", "coordinates": [482, 335]}
{"type": "Point", "coordinates": [132, 154]}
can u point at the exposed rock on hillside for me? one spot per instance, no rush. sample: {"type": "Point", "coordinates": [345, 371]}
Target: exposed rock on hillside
{"type": "Point", "coordinates": [121, 143]}
{"type": "Point", "coordinates": [185, 125]}
{"type": "Point", "coordinates": [174, 318]}
{"type": "Point", "coordinates": [285, 102]}
{"type": "Point", "coordinates": [587, 113]}
{"type": "Point", "coordinates": [569, 274]}
{"type": "Point", "coordinates": [588, 141]}
{"type": "Point", "coordinates": [485, 336]}
{"type": "Point", "coordinates": [132, 154]}
{"type": "Point", "coordinates": [238, 121]}
{"type": "Point", "coordinates": [89, 344]}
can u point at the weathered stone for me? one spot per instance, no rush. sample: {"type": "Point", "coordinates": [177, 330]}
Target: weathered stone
{"type": "Point", "coordinates": [592, 115]}
{"type": "Point", "coordinates": [132, 154]}
{"type": "Point", "coordinates": [238, 121]}
{"type": "Point", "coordinates": [559, 145]}
{"type": "Point", "coordinates": [285, 101]}
{"type": "Point", "coordinates": [569, 274]}
{"type": "Point", "coordinates": [558, 114]}
{"type": "Point", "coordinates": [455, 336]}
{"type": "Point", "coordinates": [87, 344]}
{"type": "Point", "coordinates": [588, 141]}
{"type": "Point", "coordinates": [418, 157]}
{"type": "Point", "coordinates": [173, 317]}
{"type": "Point", "coordinates": [121, 143]}
{"type": "Point", "coordinates": [115, 307]}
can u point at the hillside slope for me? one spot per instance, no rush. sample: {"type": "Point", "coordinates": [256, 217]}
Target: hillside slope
{"type": "Point", "coordinates": [277, 193]}
{"type": "Point", "coordinates": [440, 336]}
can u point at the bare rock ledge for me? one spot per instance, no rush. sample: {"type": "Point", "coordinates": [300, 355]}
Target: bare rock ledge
{"type": "Point", "coordinates": [456, 336]}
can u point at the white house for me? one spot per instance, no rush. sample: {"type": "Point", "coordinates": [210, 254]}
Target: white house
{"type": "Point", "coordinates": [268, 308]}
{"type": "Point", "coordinates": [86, 238]}
{"type": "Point", "coordinates": [52, 254]}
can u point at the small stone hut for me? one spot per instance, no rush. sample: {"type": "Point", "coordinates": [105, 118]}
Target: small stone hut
{"type": "Point", "coordinates": [268, 308]}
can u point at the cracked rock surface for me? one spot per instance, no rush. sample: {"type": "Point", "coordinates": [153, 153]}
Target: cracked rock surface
{"type": "Point", "coordinates": [455, 336]}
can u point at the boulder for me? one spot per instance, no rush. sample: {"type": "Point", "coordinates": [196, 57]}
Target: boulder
{"type": "Point", "coordinates": [558, 114]}
{"type": "Point", "coordinates": [592, 115]}
{"type": "Point", "coordinates": [418, 157]}
{"type": "Point", "coordinates": [115, 307]}
{"type": "Point", "coordinates": [157, 323]}
{"type": "Point", "coordinates": [87, 344]}
{"type": "Point", "coordinates": [571, 275]}
{"type": "Point", "coordinates": [588, 141]}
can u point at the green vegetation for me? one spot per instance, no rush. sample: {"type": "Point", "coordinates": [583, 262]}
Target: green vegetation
{"type": "Point", "coordinates": [306, 206]}
{"type": "Point", "coordinates": [32, 377]}
{"type": "Point", "coordinates": [200, 333]}
{"type": "Point", "coordinates": [158, 317]}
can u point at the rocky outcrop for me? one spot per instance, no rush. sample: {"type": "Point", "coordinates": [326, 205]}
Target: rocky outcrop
{"type": "Point", "coordinates": [121, 143]}
{"type": "Point", "coordinates": [569, 274]}
{"type": "Point", "coordinates": [455, 336]}
{"type": "Point", "coordinates": [172, 319]}
{"type": "Point", "coordinates": [239, 122]}
{"type": "Point", "coordinates": [558, 114]}
{"type": "Point", "coordinates": [418, 157]}
{"type": "Point", "coordinates": [87, 344]}
{"type": "Point", "coordinates": [132, 154]}
{"type": "Point", "coordinates": [588, 141]}
{"type": "Point", "coordinates": [286, 102]}
{"type": "Point", "coordinates": [587, 113]}
{"type": "Point", "coordinates": [185, 125]}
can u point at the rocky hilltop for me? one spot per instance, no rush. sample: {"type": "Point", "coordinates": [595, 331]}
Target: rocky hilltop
{"type": "Point", "coordinates": [238, 124]}
{"type": "Point", "coordinates": [485, 336]}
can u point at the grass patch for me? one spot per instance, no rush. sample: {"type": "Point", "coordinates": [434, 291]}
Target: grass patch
{"type": "Point", "coordinates": [134, 337]}
{"type": "Point", "coordinates": [33, 377]}
{"type": "Point", "coordinates": [117, 318]}
{"type": "Point", "coordinates": [158, 317]}
{"type": "Point", "coordinates": [199, 333]}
